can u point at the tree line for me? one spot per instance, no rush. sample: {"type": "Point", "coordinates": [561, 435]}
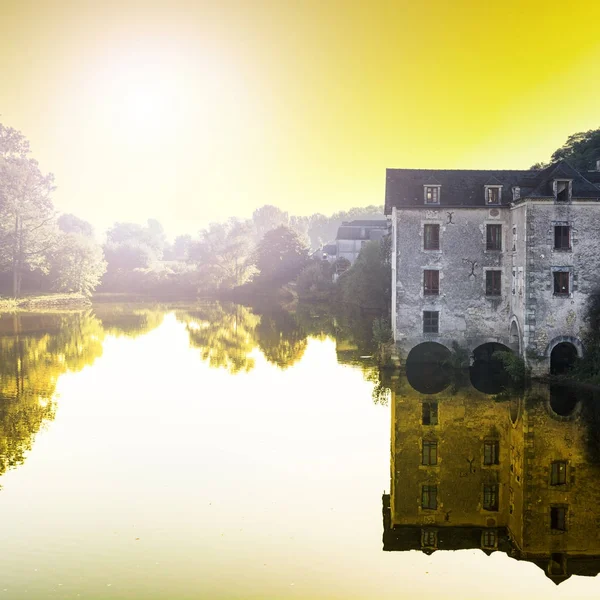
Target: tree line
{"type": "Point", "coordinates": [42, 251]}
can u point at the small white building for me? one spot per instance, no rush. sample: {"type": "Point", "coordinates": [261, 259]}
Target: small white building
{"type": "Point", "coordinates": [353, 235]}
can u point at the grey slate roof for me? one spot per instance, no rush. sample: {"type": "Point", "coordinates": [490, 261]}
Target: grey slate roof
{"type": "Point", "coordinates": [362, 230]}
{"type": "Point", "coordinates": [405, 187]}
{"type": "Point", "coordinates": [367, 223]}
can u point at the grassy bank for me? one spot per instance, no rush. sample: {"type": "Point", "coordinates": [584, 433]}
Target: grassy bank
{"type": "Point", "coordinates": [44, 302]}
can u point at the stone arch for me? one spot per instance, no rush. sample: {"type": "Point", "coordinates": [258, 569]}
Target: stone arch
{"type": "Point", "coordinates": [515, 335]}
{"type": "Point", "coordinates": [564, 339]}
{"type": "Point", "coordinates": [427, 368]}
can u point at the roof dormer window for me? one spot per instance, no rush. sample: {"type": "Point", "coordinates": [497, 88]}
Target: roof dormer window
{"type": "Point", "coordinates": [562, 190]}
{"type": "Point", "coordinates": [432, 194]}
{"type": "Point", "coordinates": [493, 193]}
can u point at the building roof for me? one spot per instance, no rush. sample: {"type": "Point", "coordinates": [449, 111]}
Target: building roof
{"type": "Point", "coordinates": [361, 230]}
{"type": "Point", "coordinates": [379, 223]}
{"type": "Point", "coordinates": [593, 176]}
{"type": "Point", "coordinates": [330, 248]}
{"type": "Point", "coordinates": [455, 537]}
{"type": "Point", "coordinates": [405, 187]}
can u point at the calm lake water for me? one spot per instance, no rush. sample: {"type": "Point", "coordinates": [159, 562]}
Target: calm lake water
{"type": "Point", "coordinates": [215, 452]}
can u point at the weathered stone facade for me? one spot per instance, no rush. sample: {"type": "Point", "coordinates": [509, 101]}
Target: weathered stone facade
{"type": "Point", "coordinates": [547, 241]}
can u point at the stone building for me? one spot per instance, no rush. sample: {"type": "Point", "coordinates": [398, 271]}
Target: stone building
{"type": "Point", "coordinates": [518, 476]}
{"type": "Point", "coordinates": [506, 257]}
{"type": "Point", "coordinates": [353, 235]}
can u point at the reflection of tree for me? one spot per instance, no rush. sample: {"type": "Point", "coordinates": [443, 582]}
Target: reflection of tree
{"type": "Point", "coordinates": [131, 322]}
{"type": "Point", "coordinates": [280, 338]}
{"type": "Point", "coordinates": [224, 334]}
{"type": "Point", "coordinates": [34, 351]}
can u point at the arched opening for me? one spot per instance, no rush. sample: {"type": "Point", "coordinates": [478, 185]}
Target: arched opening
{"type": "Point", "coordinates": [427, 368]}
{"type": "Point", "coordinates": [514, 409]}
{"type": "Point", "coordinates": [488, 374]}
{"type": "Point", "coordinates": [562, 358]}
{"type": "Point", "coordinates": [514, 336]}
{"type": "Point", "coordinates": [563, 400]}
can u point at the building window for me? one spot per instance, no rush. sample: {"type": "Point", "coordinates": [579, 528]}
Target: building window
{"type": "Point", "coordinates": [493, 237]}
{"type": "Point", "coordinates": [558, 518]}
{"type": "Point", "coordinates": [429, 456]}
{"type": "Point", "coordinates": [490, 497]}
{"type": "Point", "coordinates": [563, 191]}
{"type": "Point", "coordinates": [431, 238]}
{"type": "Point", "coordinates": [493, 283]}
{"type": "Point", "coordinates": [558, 474]}
{"type": "Point", "coordinates": [558, 564]}
{"type": "Point", "coordinates": [561, 283]}
{"type": "Point", "coordinates": [432, 194]}
{"type": "Point", "coordinates": [431, 321]}
{"type": "Point", "coordinates": [429, 497]}
{"type": "Point", "coordinates": [488, 538]}
{"type": "Point", "coordinates": [429, 538]}
{"type": "Point", "coordinates": [492, 194]}
{"type": "Point", "coordinates": [431, 282]}
{"type": "Point", "coordinates": [491, 452]}
{"type": "Point", "coordinates": [430, 413]}
{"type": "Point", "coordinates": [562, 237]}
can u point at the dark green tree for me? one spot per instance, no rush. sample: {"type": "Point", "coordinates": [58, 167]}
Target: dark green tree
{"type": "Point", "coordinates": [281, 255]}
{"type": "Point", "coordinates": [368, 282]}
{"type": "Point", "coordinates": [315, 282]}
{"type": "Point", "coordinates": [581, 150]}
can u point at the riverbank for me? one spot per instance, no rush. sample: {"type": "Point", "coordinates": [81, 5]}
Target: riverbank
{"type": "Point", "coordinates": [45, 302]}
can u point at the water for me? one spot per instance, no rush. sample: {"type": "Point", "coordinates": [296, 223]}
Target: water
{"type": "Point", "coordinates": [219, 452]}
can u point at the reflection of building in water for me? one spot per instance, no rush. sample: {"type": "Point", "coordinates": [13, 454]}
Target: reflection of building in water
{"type": "Point", "coordinates": [471, 472]}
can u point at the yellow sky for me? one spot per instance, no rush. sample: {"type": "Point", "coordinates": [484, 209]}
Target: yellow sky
{"type": "Point", "coordinates": [194, 111]}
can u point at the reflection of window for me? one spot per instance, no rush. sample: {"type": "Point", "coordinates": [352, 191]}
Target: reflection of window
{"type": "Point", "coordinates": [493, 237]}
{"type": "Point", "coordinates": [557, 564]}
{"type": "Point", "coordinates": [431, 321]}
{"type": "Point", "coordinates": [493, 283]}
{"type": "Point", "coordinates": [430, 413]}
{"type": "Point", "coordinates": [429, 456]}
{"type": "Point", "coordinates": [429, 538]}
{"type": "Point", "coordinates": [562, 237]}
{"type": "Point", "coordinates": [490, 452]}
{"type": "Point", "coordinates": [431, 282]}
{"type": "Point", "coordinates": [490, 497]}
{"type": "Point", "coordinates": [429, 497]}
{"type": "Point", "coordinates": [432, 194]}
{"type": "Point", "coordinates": [488, 538]}
{"type": "Point", "coordinates": [558, 474]}
{"type": "Point", "coordinates": [431, 237]}
{"type": "Point", "coordinates": [561, 283]}
{"type": "Point", "coordinates": [558, 518]}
